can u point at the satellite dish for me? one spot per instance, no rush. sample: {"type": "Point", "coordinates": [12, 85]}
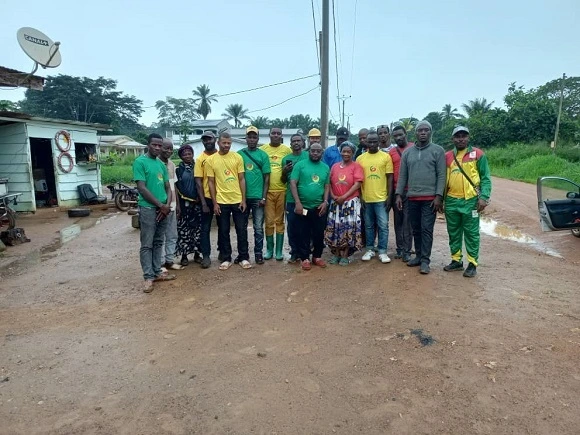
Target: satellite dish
{"type": "Point", "coordinates": [39, 47]}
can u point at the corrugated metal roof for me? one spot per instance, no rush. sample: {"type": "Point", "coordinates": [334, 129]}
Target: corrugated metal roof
{"type": "Point", "coordinates": [23, 117]}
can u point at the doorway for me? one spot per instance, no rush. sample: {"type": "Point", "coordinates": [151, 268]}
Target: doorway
{"type": "Point", "coordinates": [43, 172]}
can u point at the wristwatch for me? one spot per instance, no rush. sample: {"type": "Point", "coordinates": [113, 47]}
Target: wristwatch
{"type": "Point", "coordinates": [263, 199]}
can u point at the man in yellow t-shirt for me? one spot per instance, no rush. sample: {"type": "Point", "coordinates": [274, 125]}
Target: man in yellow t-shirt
{"type": "Point", "coordinates": [377, 194]}
{"type": "Point", "coordinates": [276, 194]}
{"type": "Point", "coordinates": [227, 187]}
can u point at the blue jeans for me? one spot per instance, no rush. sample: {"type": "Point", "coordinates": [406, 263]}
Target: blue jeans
{"type": "Point", "coordinates": [376, 215]}
{"type": "Point", "coordinates": [170, 237]}
{"type": "Point", "coordinates": [152, 238]}
{"type": "Point", "coordinates": [291, 228]}
{"type": "Point", "coordinates": [257, 223]}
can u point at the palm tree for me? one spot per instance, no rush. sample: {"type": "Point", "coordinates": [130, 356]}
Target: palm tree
{"type": "Point", "coordinates": [449, 114]}
{"type": "Point", "coordinates": [407, 123]}
{"type": "Point", "coordinates": [261, 122]}
{"type": "Point", "coordinates": [203, 99]}
{"type": "Point", "coordinates": [237, 113]}
{"type": "Point", "coordinates": [477, 107]}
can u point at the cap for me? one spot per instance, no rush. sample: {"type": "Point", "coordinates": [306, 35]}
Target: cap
{"type": "Point", "coordinates": [314, 132]}
{"type": "Point", "coordinates": [252, 129]}
{"type": "Point", "coordinates": [342, 132]}
{"type": "Point", "coordinates": [208, 133]}
{"type": "Point", "coordinates": [460, 128]}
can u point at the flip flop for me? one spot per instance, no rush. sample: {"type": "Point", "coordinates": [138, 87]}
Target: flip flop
{"type": "Point", "coordinates": [164, 277]}
{"type": "Point", "coordinates": [245, 264]}
{"type": "Point", "coordinates": [176, 266]}
{"type": "Point", "coordinates": [225, 265]}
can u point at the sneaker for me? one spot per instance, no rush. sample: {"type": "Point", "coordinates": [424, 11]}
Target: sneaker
{"type": "Point", "coordinates": [368, 255]}
{"type": "Point", "coordinates": [184, 261]}
{"type": "Point", "coordinates": [147, 286]}
{"type": "Point", "coordinates": [454, 266]}
{"type": "Point", "coordinates": [306, 265]}
{"type": "Point", "coordinates": [335, 259]}
{"type": "Point", "coordinates": [405, 258]}
{"type": "Point", "coordinates": [205, 263]}
{"type": "Point", "coordinates": [471, 271]}
{"type": "Point", "coordinates": [259, 259]}
{"type": "Point", "coordinates": [425, 269]}
{"type": "Point", "coordinates": [414, 262]}
{"type": "Point", "coordinates": [384, 258]}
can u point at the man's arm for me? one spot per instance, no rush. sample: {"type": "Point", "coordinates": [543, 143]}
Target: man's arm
{"type": "Point", "coordinates": [294, 190]}
{"type": "Point", "coordinates": [324, 206]}
{"type": "Point", "coordinates": [147, 195]}
{"type": "Point", "coordinates": [212, 192]}
{"type": "Point", "coordinates": [242, 181]}
{"type": "Point", "coordinates": [441, 168]}
{"type": "Point", "coordinates": [403, 176]}
{"type": "Point", "coordinates": [169, 193]}
{"type": "Point", "coordinates": [266, 187]}
{"type": "Point", "coordinates": [484, 177]}
{"type": "Point", "coordinates": [390, 191]}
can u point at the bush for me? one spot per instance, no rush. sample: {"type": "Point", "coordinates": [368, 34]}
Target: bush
{"type": "Point", "coordinates": [112, 174]}
{"type": "Point", "coordinates": [532, 168]}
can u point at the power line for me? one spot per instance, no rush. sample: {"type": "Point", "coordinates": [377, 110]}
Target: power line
{"type": "Point", "coordinates": [286, 100]}
{"type": "Point", "coordinates": [267, 86]}
{"type": "Point", "coordinates": [336, 58]}
{"type": "Point", "coordinates": [315, 36]}
{"type": "Point", "coordinates": [353, 45]}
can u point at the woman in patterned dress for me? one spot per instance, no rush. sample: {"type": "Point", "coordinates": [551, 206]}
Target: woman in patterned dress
{"type": "Point", "coordinates": [343, 233]}
{"type": "Point", "coordinates": [188, 208]}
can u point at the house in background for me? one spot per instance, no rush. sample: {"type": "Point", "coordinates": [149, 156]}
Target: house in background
{"type": "Point", "coordinates": [37, 168]}
{"type": "Point", "coordinates": [121, 145]}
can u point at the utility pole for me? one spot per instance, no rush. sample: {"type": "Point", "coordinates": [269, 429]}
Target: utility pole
{"type": "Point", "coordinates": [559, 113]}
{"type": "Point", "coordinates": [324, 71]}
{"type": "Point", "coordinates": [343, 98]}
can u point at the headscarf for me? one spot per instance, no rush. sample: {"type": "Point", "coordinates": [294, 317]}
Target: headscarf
{"type": "Point", "coordinates": [183, 148]}
{"type": "Point", "coordinates": [348, 144]}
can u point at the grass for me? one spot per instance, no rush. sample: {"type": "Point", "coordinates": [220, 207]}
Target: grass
{"type": "Point", "coordinates": [114, 173]}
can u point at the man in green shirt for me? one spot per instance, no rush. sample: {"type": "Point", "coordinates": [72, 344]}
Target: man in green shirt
{"type": "Point", "coordinates": [154, 202]}
{"type": "Point", "coordinates": [310, 186]}
{"type": "Point", "coordinates": [257, 166]}
{"type": "Point", "coordinates": [288, 162]}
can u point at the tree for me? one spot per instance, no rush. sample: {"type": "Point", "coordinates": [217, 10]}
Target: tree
{"type": "Point", "coordinates": [407, 123]}
{"type": "Point", "coordinates": [177, 114]}
{"type": "Point", "coordinates": [435, 119]}
{"type": "Point", "coordinates": [477, 106]}
{"type": "Point", "coordinates": [449, 114]}
{"type": "Point", "coordinates": [203, 98]}
{"type": "Point", "coordinates": [8, 106]}
{"type": "Point", "coordinates": [260, 122]}
{"type": "Point", "coordinates": [237, 113]}
{"type": "Point", "coordinates": [83, 99]}
{"type": "Point", "coordinates": [571, 102]}
{"type": "Point", "coordinates": [488, 128]}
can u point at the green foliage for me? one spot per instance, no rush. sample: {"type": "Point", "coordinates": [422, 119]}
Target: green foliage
{"type": "Point", "coordinates": [8, 106]}
{"type": "Point", "coordinates": [237, 113]}
{"type": "Point", "coordinates": [299, 122]}
{"type": "Point", "coordinates": [177, 114]}
{"type": "Point", "coordinates": [203, 97]}
{"type": "Point", "coordinates": [477, 106]}
{"type": "Point", "coordinates": [112, 174]}
{"type": "Point", "coordinates": [448, 113]}
{"type": "Point", "coordinates": [571, 102]}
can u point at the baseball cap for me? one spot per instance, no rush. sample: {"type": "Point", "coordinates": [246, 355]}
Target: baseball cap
{"type": "Point", "coordinates": [314, 132]}
{"type": "Point", "coordinates": [342, 132]}
{"type": "Point", "coordinates": [252, 129]}
{"type": "Point", "coordinates": [460, 128]}
{"type": "Point", "coordinates": [208, 133]}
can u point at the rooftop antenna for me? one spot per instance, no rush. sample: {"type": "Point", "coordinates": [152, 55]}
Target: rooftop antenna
{"type": "Point", "coordinates": [40, 48]}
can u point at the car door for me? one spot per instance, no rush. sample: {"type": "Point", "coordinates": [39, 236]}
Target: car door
{"type": "Point", "coordinates": [558, 203]}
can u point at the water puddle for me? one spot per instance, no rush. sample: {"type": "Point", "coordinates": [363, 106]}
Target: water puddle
{"type": "Point", "coordinates": [495, 229]}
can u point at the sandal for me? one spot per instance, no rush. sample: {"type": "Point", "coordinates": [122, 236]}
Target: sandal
{"type": "Point", "coordinates": [225, 265]}
{"type": "Point", "coordinates": [174, 266]}
{"type": "Point", "coordinates": [344, 262]}
{"type": "Point", "coordinates": [164, 277]}
{"type": "Point", "coordinates": [147, 286]}
{"type": "Point", "coordinates": [245, 264]}
{"type": "Point", "coordinates": [319, 262]}
{"type": "Point", "coordinates": [335, 259]}
{"type": "Point", "coordinates": [306, 265]}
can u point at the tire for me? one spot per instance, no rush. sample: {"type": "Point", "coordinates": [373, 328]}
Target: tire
{"type": "Point", "coordinates": [79, 212]}
{"type": "Point", "coordinates": [9, 220]}
{"type": "Point", "coordinates": [120, 203]}
{"type": "Point", "coordinates": [576, 232]}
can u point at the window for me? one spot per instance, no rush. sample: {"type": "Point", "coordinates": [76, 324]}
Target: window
{"type": "Point", "coordinates": [85, 152]}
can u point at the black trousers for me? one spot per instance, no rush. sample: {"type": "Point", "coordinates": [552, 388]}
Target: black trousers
{"type": "Point", "coordinates": [241, 225]}
{"type": "Point", "coordinates": [403, 230]}
{"type": "Point", "coordinates": [310, 232]}
{"type": "Point", "coordinates": [422, 219]}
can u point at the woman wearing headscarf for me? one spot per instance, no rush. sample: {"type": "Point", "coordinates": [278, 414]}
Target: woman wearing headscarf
{"type": "Point", "coordinates": [188, 208]}
{"type": "Point", "coordinates": [343, 233]}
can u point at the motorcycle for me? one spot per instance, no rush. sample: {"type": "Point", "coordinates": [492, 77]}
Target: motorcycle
{"type": "Point", "coordinates": [124, 196]}
{"type": "Point", "coordinates": [7, 214]}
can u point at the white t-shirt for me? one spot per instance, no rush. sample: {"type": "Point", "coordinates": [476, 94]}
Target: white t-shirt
{"type": "Point", "coordinates": [172, 179]}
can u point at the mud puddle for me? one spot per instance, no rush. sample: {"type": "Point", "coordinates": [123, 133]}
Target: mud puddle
{"type": "Point", "coordinates": [493, 228]}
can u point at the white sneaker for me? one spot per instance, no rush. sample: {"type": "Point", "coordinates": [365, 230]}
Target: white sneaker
{"type": "Point", "coordinates": [368, 255]}
{"type": "Point", "coordinates": [384, 258]}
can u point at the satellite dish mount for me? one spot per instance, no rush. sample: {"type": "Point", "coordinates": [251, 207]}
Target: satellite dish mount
{"type": "Point", "coordinates": [39, 47]}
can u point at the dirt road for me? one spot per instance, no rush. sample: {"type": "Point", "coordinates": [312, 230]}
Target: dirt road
{"type": "Point", "coordinates": [368, 348]}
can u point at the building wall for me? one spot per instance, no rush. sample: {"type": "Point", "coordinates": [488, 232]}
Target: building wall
{"type": "Point", "coordinates": [66, 184]}
{"type": "Point", "coordinates": [15, 164]}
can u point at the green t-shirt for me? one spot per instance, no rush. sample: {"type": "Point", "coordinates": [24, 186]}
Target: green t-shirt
{"type": "Point", "coordinates": [255, 172]}
{"type": "Point", "coordinates": [311, 178]}
{"type": "Point", "coordinates": [154, 173]}
{"type": "Point", "coordinates": [294, 159]}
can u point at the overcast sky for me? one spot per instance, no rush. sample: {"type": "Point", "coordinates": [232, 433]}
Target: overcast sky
{"type": "Point", "coordinates": [408, 59]}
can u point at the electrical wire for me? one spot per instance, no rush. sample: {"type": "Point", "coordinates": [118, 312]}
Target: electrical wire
{"type": "Point", "coordinates": [336, 59]}
{"type": "Point", "coordinates": [267, 86]}
{"type": "Point", "coordinates": [315, 36]}
{"type": "Point", "coordinates": [286, 100]}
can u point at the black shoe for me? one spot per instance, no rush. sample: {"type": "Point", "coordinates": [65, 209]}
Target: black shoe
{"type": "Point", "coordinates": [197, 258]}
{"type": "Point", "coordinates": [184, 260]}
{"type": "Point", "coordinates": [398, 254]}
{"type": "Point", "coordinates": [414, 262]}
{"type": "Point", "coordinates": [237, 260]}
{"type": "Point", "coordinates": [454, 266]}
{"type": "Point", "coordinates": [405, 258]}
{"type": "Point", "coordinates": [220, 258]}
{"type": "Point", "coordinates": [293, 259]}
{"type": "Point", "coordinates": [425, 269]}
{"type": "Point", "coordinates": [205, 263]}
{"type": "Point", "coordinates": [471, 271]}
{"type": "Point", "coordinates": [259, 259]}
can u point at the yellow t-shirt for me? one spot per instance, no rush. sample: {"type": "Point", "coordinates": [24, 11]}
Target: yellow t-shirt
{"type": "Point", "coordinates": [276, 154]}
{"type": "Point", "coordinates": [455, 187]}
{"type": "Point", "coordinates": [225, 170]}
{"type": "Point", "coordinates": [200, 171]}
{"type": "Point", "coordinates": [376, 167]}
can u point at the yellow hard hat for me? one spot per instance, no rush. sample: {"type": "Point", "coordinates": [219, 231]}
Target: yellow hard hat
{"type": "Point", "coordinates": [314, 132]}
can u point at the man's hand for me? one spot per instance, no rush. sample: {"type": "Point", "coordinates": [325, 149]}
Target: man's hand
{"type": "Point", "coordinates": [243, 206]}
{"type": "Point", "coordinates": [177, 211]}
{"type": "Point", "coordinates": [399, 202]}
{"type": "Point", "coordinates": [437, 204]}
{"type": "Point", "coordinates": [262, 203]}
{"type": "Point", "coordinates": [165, 209]}
{"type": "Point", "coordinates": [287, 168]}
{"type": "Point", "coordinates": [322, 208]}
{"type": "Point", "coordinates": [481, 204]}
{"type": "Point", "coordinates": [205, 207]}
{"type": "Point", "coordinates": [388, 204]}
{"type": "Point", "coordinates": [298, 209]}
{"type": "Point", "coordinates": [216, 209]}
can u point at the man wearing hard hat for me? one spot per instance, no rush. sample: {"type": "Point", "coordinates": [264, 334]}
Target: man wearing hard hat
{"type": "Point", "coordinates": [314, 136]}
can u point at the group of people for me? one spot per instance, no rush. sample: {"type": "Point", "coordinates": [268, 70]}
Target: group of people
{"type": "Point", "coordinates": [339, 197]}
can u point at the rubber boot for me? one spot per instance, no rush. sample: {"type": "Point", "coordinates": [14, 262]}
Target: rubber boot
{"type": "Point", "coordinates": [269, 248]}
{"type": "Point", "coordinates": [279, 246]}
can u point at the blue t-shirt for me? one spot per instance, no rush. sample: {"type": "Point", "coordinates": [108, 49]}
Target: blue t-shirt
{"type": "Point", "coordinates": [331, 156]}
